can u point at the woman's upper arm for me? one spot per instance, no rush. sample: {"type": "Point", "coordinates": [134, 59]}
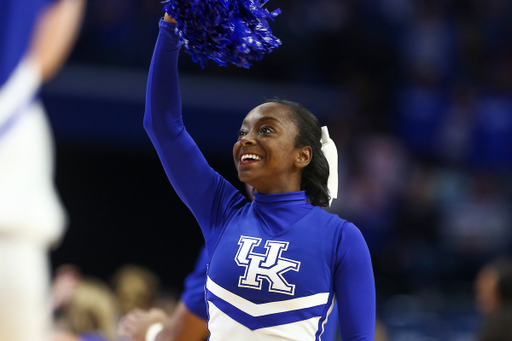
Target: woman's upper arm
{"type": "Point", "coordinates": [354, 286]}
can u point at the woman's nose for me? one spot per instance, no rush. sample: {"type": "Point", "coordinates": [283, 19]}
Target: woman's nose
{"type": "Point", "coordinates": [247, 141]}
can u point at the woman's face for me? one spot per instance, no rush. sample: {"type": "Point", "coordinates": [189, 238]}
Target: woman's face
{"type": "Point", "coordinates": [265, 154]}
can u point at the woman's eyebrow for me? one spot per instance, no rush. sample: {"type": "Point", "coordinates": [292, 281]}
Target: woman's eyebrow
{"type": "Point", "coordinates": [264, 118]}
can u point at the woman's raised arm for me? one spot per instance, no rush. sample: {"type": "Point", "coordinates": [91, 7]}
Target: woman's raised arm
{"type": "Point", "coordinates": [202, 189]}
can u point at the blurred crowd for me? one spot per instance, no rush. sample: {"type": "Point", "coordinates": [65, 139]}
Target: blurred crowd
{"type": "Point", "coordinates": [89, 309]}
{"type": "Point", "coordinates": [429, 186]}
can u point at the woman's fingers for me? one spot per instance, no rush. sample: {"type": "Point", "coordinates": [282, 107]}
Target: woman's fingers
{"type": "Point", "coordinates": [168, 18]}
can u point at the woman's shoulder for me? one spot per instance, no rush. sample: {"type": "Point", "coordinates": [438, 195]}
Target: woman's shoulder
{"type": "Point", "coordinates": [333, 220]}
{"type": "Point", "coordinates": [239, 206]}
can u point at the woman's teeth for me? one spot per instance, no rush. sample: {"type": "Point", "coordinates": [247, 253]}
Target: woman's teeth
{"type": "Point", "coordinates": [252, 157]}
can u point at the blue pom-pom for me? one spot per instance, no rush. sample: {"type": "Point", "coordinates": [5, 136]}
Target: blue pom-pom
{"type": "Point", "coordinates": [226, 31]}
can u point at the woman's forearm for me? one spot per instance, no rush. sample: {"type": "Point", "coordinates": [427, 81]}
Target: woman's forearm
{"type": "Point", "coordinates": [55, 35]}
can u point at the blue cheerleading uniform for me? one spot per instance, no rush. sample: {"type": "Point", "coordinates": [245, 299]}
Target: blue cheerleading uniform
{"type": "Point", "coordinates": [277, 264]}
{"type": "Point", "coordinates": [194, 297]}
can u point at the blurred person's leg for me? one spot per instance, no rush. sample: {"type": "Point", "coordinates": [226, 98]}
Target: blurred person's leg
{"type": "Point", "coordinates": [31, 215]}
{"type": "Point", "coordinates": [24, 296]}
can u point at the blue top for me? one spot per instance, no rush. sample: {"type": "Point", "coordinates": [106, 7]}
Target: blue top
{"type": "Point", "coordinates": [276, 264]}
{"type": "Point", "coordinates": [17, 21]}
{"type": "Point", "coordinates": [194, 297]}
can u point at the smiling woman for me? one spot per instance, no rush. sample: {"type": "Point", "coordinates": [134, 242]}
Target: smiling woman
{"type": "Point", "coordinates": [277, 264]}
{"type": "Point", "coordinates": [287, 130]}
{"type": "Point", "coordinates": [266, 156]}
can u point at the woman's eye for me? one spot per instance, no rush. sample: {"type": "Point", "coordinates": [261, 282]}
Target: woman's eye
{"type": "Point", "coordinates": [266, 130]}
{"type": "Point", "coordinates": [241, 133]}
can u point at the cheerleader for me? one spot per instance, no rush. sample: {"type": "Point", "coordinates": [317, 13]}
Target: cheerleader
{"type": "Point", "coordinates": [276, 264]}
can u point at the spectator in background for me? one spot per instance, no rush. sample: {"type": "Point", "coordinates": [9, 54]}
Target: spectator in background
{"type": "Point", "coordinates": [381, 333]}
{"type": "Point", "coordinates": [419, 264]}
{"type": "Point", "coordinates": [87, 310]}
{"type": "Point", "coordinates": [493, 286]}
{"type": "Point", "coordinates": [36, 37]}
{"type": "Point", "coordinates": [475, 223]}
{"type": "Point", "coordinates": [136, 287]}
{"type": "Point", "coordinates": [187, 322]}
{"type": "Point", "coordinates": [65, 281]}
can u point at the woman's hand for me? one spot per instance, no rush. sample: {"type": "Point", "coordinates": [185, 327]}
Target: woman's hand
{"type": "Point", "coordinates": [136, 323]}
{"type": "Point", "coordinates": [168, 18]}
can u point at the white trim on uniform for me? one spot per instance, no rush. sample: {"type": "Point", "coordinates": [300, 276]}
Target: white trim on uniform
{"type": "Point", "coordinates": [222, 327]}
{"type": "Point", "coordinates": [263, 309]}
{"type": "Point", "coordinates": [327, 317]}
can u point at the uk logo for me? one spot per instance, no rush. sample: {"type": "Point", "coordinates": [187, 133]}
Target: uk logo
{"type": "Point", "coordinates": [270, 266]}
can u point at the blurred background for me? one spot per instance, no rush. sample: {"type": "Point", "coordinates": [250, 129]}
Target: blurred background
{"type": "Point", "coordinates": [417, 95]}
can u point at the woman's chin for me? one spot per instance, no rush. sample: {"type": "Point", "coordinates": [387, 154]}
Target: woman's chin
{"type": "Point", "coordinates": [245, 176]}
{"type": "Point", "coordinates": [246, 180]}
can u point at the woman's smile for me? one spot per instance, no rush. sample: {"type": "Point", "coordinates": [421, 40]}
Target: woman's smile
{"type": "Point", "coordinates": [248, 158]}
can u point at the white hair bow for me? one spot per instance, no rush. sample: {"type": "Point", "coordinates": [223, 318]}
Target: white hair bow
{"type": "Point", "coordinates": [331, 154]}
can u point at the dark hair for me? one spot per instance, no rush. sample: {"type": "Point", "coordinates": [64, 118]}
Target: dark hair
{"type": "Point", "coordinates": [315, 175]}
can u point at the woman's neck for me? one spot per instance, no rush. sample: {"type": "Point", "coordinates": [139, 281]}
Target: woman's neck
{"type": "Point", "coordinates": [280, 211]}
{"type": "Point", "coordinates": [288, 198]}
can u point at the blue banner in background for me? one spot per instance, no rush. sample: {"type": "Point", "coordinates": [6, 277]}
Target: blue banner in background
{"type": "Point", "coordinates": [106, 106]}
